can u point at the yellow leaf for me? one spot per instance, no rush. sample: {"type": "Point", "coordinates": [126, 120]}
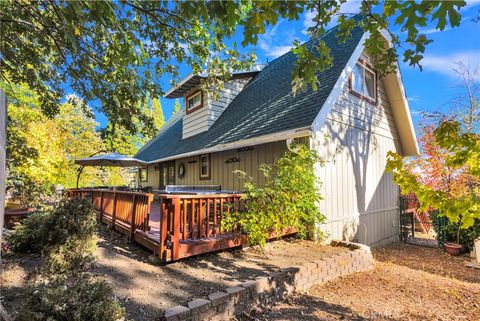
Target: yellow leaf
{"type": "Point", "coordinates": [76, 31]}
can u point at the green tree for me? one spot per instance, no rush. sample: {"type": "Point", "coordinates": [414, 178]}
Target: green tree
{"type": "Point", "coordinates": [176, 107]}
{"type": "Point", "coordinates": [41, 150]}
{"type": "Point", "coordinates": [117, 51]}
{"type": "Point", "coordinates": [447, 176]}
{"type": "Point", "coordinates": [289, 199]}
{"type": "Point", "coordinates": [156, 112]}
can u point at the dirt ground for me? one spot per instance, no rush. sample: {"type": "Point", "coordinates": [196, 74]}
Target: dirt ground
{"type": "Point", "coordinates": [145, 290]}
{"type": "Point", "coordinates": [408, 283]}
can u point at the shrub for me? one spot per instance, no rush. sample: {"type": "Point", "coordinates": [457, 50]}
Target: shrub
{"type": "Point", "coordinates": [289, 199]}
{"type": "Point", "coordinates": [71, 236]}
{"type": "Point", "coordinates": [76, 299]}
{"type": "Point", "coordinates": [29, 235]}
{"type": "Point", "coordinates": [65, 235]}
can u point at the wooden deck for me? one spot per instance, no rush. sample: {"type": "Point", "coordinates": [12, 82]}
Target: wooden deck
{"type": "Point", "coordinates": [175, 227]}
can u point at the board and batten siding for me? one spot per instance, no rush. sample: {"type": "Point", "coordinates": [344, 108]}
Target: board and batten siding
{"type": "Point", "coordinates": [153, 177]}
{"type": "Point", "coordinates": [360, 198]}
{"type": "Point", "coordinates": [221, 169]}
{"type": "Point", "coordinates": [203, 118]}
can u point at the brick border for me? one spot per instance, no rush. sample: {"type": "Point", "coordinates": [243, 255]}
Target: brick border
{"type": "Point", "coordinates": [267, 290]}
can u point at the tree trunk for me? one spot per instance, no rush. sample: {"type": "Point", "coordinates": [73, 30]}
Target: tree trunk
{"type": "Point", "coordinates": [3, 138]}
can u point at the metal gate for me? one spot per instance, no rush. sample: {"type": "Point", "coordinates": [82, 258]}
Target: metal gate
{"type": "Point", "coordinates": [420, 227]}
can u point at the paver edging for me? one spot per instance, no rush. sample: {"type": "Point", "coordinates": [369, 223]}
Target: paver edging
{"type": "Point", "coordinates": [276, 286]}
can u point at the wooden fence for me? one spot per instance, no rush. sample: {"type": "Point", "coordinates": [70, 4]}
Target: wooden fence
{"type": "Point", "coordinates": [127, 212]}
{"type": "Point", "coordinates": [192, 224]}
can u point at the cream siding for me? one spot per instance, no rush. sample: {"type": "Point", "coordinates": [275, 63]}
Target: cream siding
{"type": "Point", "coordinates": [203, 118]}
{"type": "Point", "coordinates": [221, 171]}
{"type": "Point", "coordinates": [153, 177]}
{"type": "Point", "coordinates": [361, 200]}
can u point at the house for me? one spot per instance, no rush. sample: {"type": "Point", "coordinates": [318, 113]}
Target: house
{"type": "Point", "coordinates": [352, 120]}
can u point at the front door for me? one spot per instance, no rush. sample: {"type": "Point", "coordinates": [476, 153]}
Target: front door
{"type": "Point", "coordinates": [167, 174]}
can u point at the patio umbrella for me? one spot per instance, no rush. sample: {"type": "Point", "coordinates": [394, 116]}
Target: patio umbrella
{"type": "Point", "coordinates": [109, 159]}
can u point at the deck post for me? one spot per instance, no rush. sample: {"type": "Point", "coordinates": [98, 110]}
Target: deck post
{"type": "Point", "coordinates": [163, 230]}
{"type": "Point", "coordinates": [134, 214]}
{"type": "Point", "coordinates": [149, 210]}
{"type": "Point", "coordinates": [101, 206]}
{"type": "Point", "coordinates": [176, 229]}
{"type": "Point", "coordinates": [200, 218]}
{"type": "Point", "coordinates": [114, 210]}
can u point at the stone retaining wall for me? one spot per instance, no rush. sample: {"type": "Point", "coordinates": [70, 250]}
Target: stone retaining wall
{"type": "Point", "coordinates": [275, 287]}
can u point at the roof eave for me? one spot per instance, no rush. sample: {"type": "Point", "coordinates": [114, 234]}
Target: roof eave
{"type": "Point", "coordinates": [292, 133]}
{"type": "Point", "coordinates": [396, 95]}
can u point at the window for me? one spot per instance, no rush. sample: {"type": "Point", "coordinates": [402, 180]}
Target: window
{"type": "Point", "coordinates": [194, 101]}
{"type": "Point", "coordinates": [363, 82]}
{"type": "Point", "coordinates": [204, 165]}
{"type": "Point", "coordinates": [143, 174]}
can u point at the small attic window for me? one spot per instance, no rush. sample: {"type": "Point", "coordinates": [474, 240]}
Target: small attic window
{"type": "Point", "coordinates": [194, 101]}
{"type": "Point", "coordinates": [363, 82]}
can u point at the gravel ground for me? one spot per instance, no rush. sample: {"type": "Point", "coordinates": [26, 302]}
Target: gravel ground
{"type": "Point", "coordinates": [408, 283]}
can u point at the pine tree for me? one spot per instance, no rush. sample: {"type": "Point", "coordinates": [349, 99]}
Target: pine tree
{"type": "Point", "coordinates": [176, 107]}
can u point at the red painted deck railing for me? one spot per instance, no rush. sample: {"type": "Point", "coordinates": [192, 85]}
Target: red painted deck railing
{"type": "Point", "coordinates": [192, 224]}
{"type": "Point", "coordinates": [126, 211]}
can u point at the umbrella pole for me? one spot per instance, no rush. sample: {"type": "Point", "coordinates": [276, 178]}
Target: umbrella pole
{"type": "Point", "coordinates": [80, 170]}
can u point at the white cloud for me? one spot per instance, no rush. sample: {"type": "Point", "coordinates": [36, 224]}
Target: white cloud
{"type": "Point", "coordinates": [277, 51]}
{"type": "Point", "coordinates": [415, 112]}
{"type": "Point", "coordinates": [445, 64]}
{"type": "Point", "coordinates": [349, 7]}
{"type": "Point", "coordinates": [470, 4]}
{"type": "Point", "coordinates": [413, 99]}
{"type": "Point", "coordinates": [275, 44]}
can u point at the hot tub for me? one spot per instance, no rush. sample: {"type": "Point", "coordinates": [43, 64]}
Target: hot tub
{"type": "Point", "coordinates": [194, 190]}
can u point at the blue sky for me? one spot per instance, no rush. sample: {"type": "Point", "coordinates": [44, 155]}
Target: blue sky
{"type": "Point", "coordinates": [429, 90]}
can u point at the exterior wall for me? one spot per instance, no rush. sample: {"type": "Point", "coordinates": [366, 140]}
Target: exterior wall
{"type": "Point", "coordinates": [221, 173]}
{"type": "Point", "coordinates": [3, 139]}
{"type": "Point", "coordinates": [361, 200]}
{"type": "Point", "coordinates": [153, 178]}
{"type": "Point", "coordinates": [202, 119]}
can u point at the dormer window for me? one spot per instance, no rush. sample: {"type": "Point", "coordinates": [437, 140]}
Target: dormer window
{"type": "Point", "coordinates": [363, 82]}
{"type": "Point", "coordinates": [194, 101]}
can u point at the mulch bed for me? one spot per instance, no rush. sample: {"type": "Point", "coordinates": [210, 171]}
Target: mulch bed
{"type": "Point", "coordinates": [145, 289]}
{"type": "Point", "coordinates": [408, 283]}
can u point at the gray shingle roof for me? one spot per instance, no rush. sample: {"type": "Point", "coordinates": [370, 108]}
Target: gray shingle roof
{"type": "Point", "coordinates": [265, 106]}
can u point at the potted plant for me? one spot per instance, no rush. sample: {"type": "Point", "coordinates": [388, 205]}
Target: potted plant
{"type": "Point", "coordinates": [455, 248]}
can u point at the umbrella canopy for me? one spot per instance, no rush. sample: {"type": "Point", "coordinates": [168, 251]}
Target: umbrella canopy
{"type": "Point", "coordinates": [110, 159]}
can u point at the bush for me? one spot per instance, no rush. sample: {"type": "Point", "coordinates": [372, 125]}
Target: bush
{"type": "Point", "coordinates": [289, 199]}
{"type": "Point", "coordinates": [71, 236]}
{"type": "Point", "coordinates": [73, 300]}
{"type": "Point", "coordinates": [29, 236]}
{"type": "Point", "coordinates": [452, 233]}
{"type": "Point", "coordinates": [65, 235]}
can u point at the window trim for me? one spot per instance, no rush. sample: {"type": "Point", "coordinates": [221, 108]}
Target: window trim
{"type": "Point", "coordinates": [370, 68]}
{"type": "Point", "coordinates": [191, 95]}
{"type": "Point", "coordinates": [140, 170]}
{"type": "Point", "coordinates": [204, 177]}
